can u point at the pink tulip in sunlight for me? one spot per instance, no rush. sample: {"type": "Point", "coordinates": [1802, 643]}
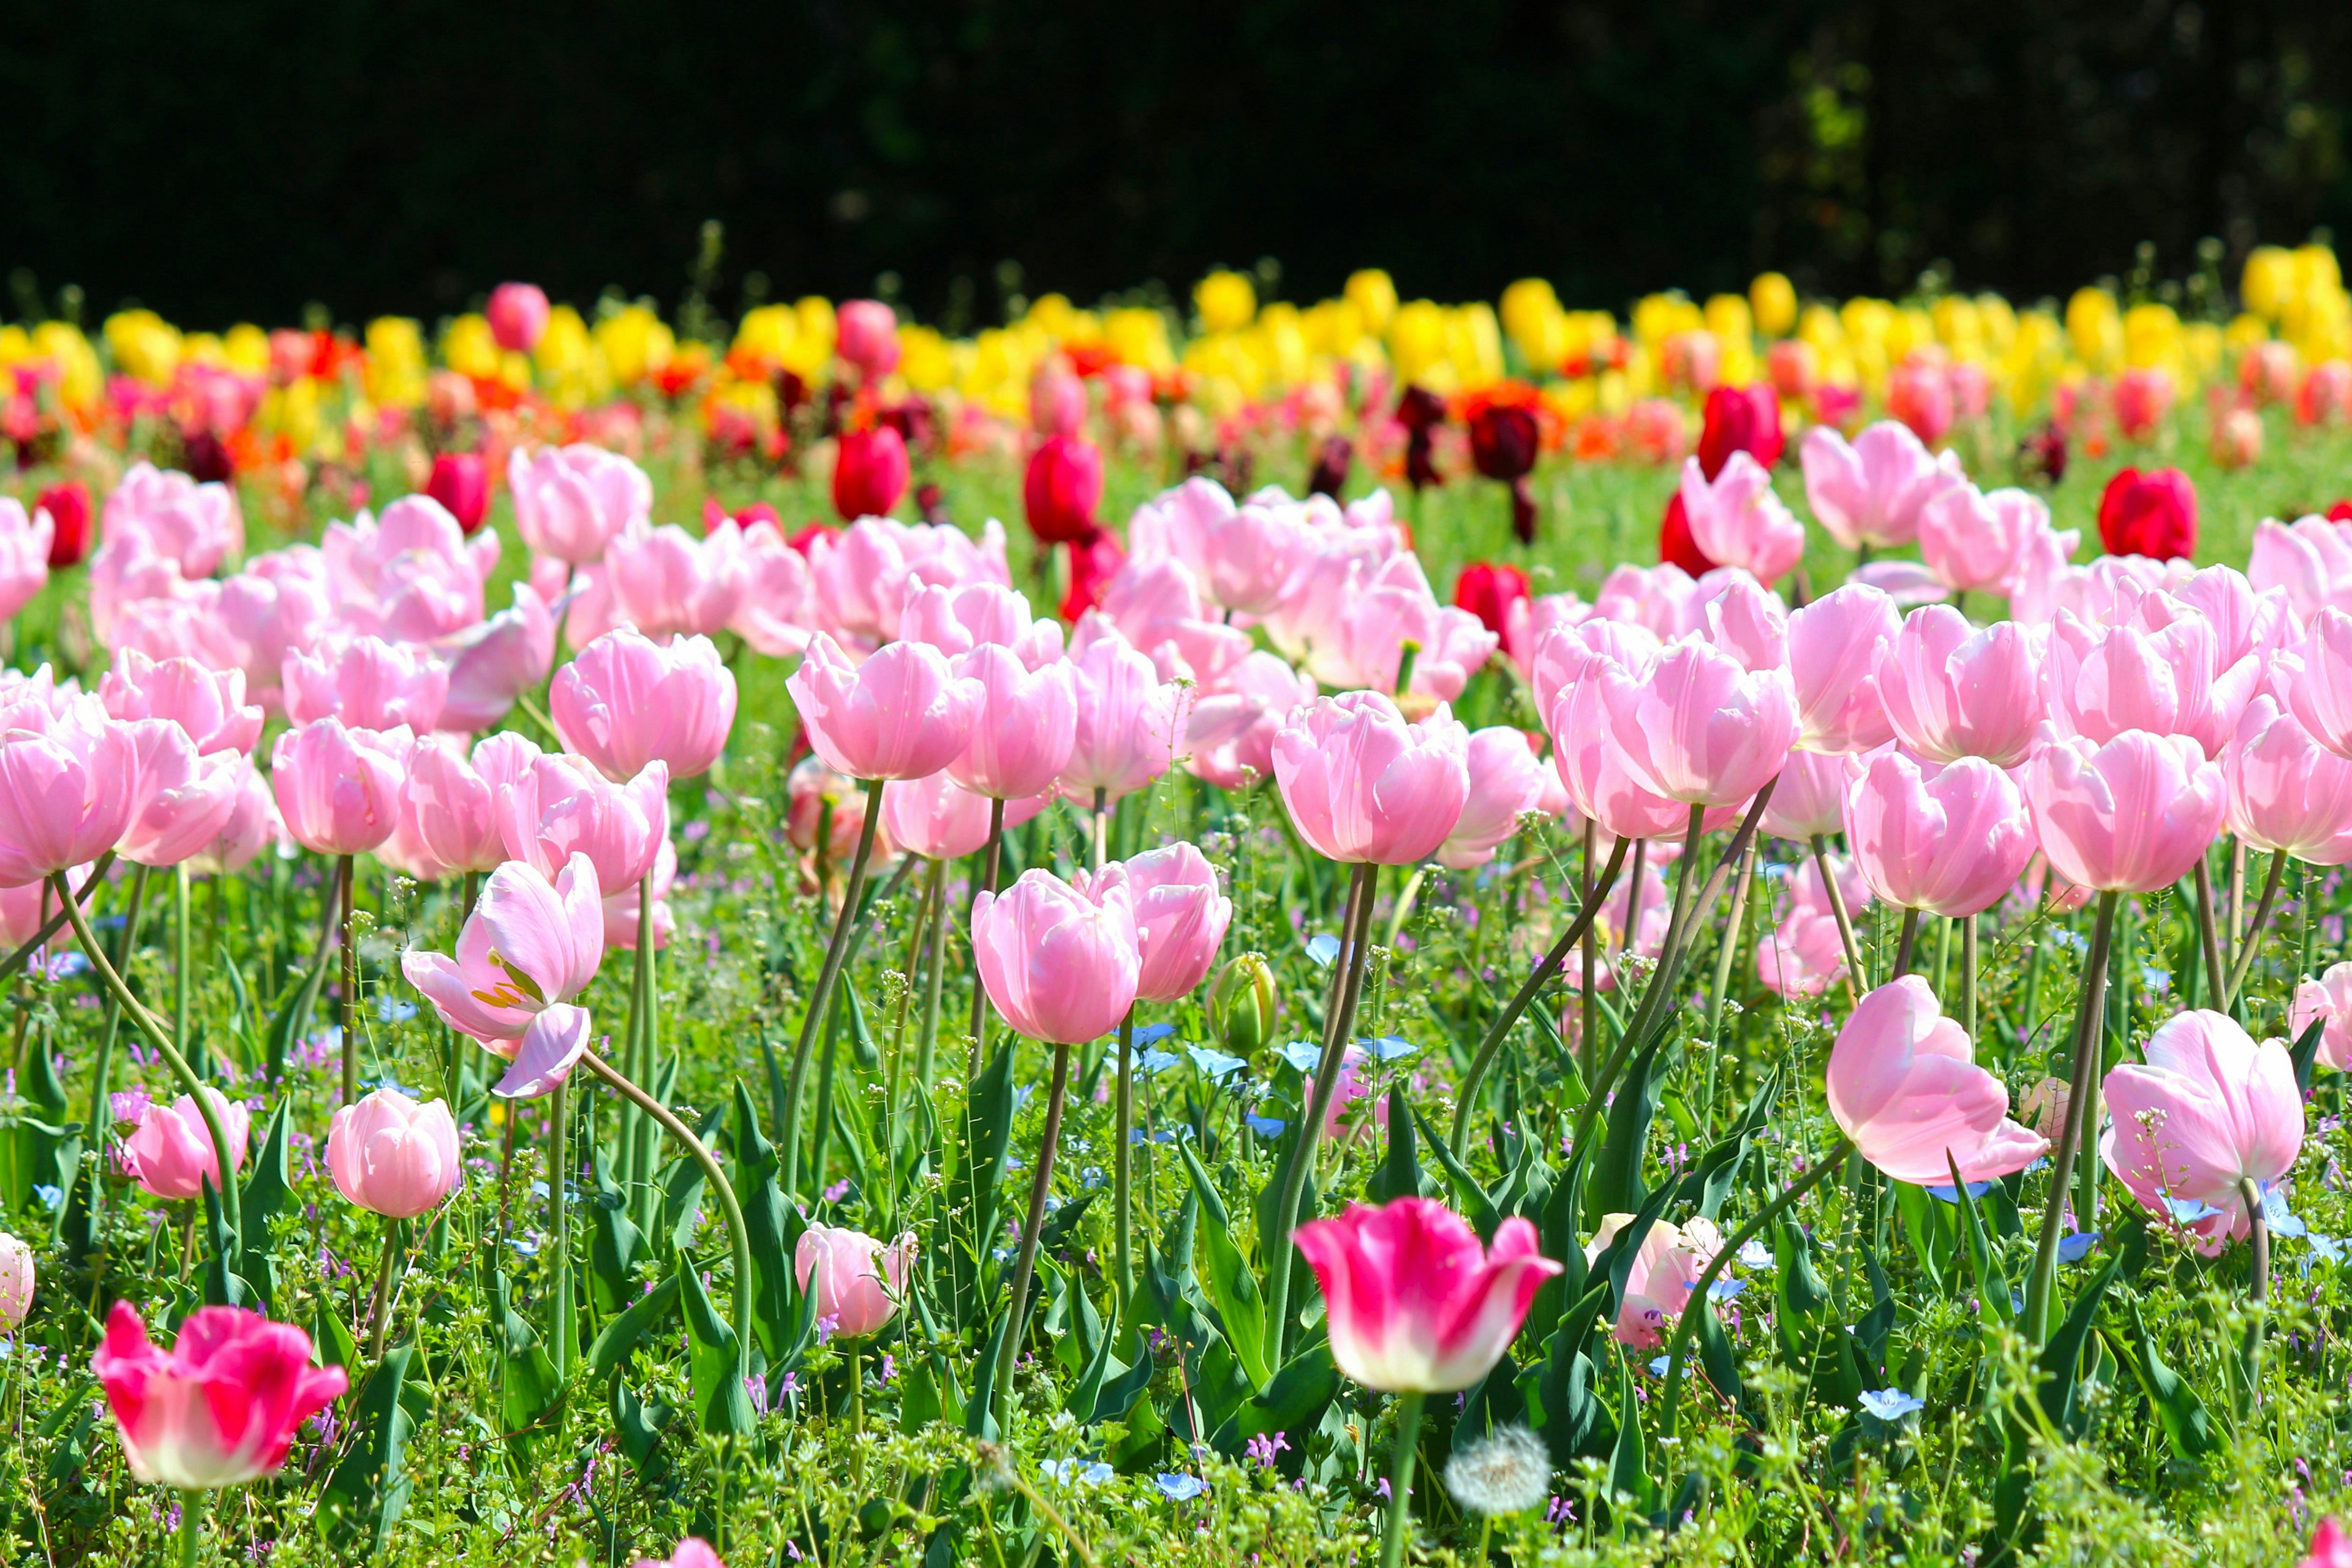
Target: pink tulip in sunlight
{"type": "Point", "coordinates": [1060, 960]}
{"type": "Point", "coordinates": [2210, 1111]}
{"type": "Point", "coordinates": [858, 1281]}
{"type": "Point", "coordinates": [557, 805]}
{"type": "Point", "coordinates": [1874, 491]}
{"type": "Point", "coordinates": [338, 790]}
{"type": "Point", "coordinates": [667, 581]}
{"type": "Point", "coordinates": [1507, 782]}
{"type": "Point", "coordinates": [1128, 719]}
{"type": "Point", "coordinates": [1362, 783]}
{"type": "Point", "coordinates": [1810, 799]}
{"type": "Point", "coordinates": [208, 704]}
{"type": "Point", "coordinates": [2285, 791]}
{"type": "Point", "coordinates": [1024, 730]}
{"type": "Point", "coordinates": [1904, 1086]}
{"type": "Point", "coordinates": [933, 816]}
{"type": "Point", "coordinates": [1736, 520]}
{"type": "Point", "coordinates": [170, 1154]}
{"type": "Point", "coordinates": [1952, 691]}
{"type": "Point", "coordinates": [1836, 646]}
{"type": "Point", "coordinates": [1667, 1264]}
{"type": "Point", "coordinates": [1977, 540]}
{"type": "Point", "coordinates": [2132, 815]}
{"type": "Point", "coordinates": [2327, 1000]}
{"type": "Point", "coordinates": [1950, 839]}
{"type": "Point", "coordinates": [392, 1156]}
{"type": "Point", "coordinates": [221, 1407]}
{"type": "Point", "coordinates": [528, 946]}
{"type": "Point", "coordinates": [1180, 915]}
{"type": "Point", "coordinates": [1700, 728]}
{"type": "Point", "coordinates": [368, 683]}
{"type": "Point", "coordinates": [571, 502]}
{"type": "Point", "coordinates": [902, 714]}
{"type": "Point", "coordinates": [628, 701]}
{"type": "Point", "coordinates": [69, 788]}
{"type": "Point", "coordinates": [184, 800]}
{"type": "Point", "coordinates": [2316, 673]}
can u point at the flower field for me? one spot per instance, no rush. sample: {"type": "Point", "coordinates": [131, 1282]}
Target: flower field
{"type": "Point", "coordinates": [1344, 933]}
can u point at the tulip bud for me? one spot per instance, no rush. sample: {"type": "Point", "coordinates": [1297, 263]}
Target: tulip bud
{"type": "Point", "coordinates": [16, 1274]}
{"type": "Point", "coordinates": [461, 483]}
{"type": "Point", "coordinates": [1244, 1004]}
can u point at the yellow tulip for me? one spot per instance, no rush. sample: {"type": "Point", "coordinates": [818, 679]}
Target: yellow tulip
{"type": "Point", "coordinates": [1773, 299]}
{"type": "Point", "coordinates": [1729, 319]}
{"type": "Point", "coordinates": [2268, 279]}
{"type": "Point", "coordinates": [1138, 335]}
{"type": "Point", "coordinates": [143, 344]}
{"type": "Point", "coordinates": [1225, 301]}
{"type": "Point", "coordinates": [470, 349]}
{"type": "Point", "coordinates": [1374, 297]}
{"type": "Point", "coordinates": [766, 331]}
{"type": "Point", "coordinates": [923, 359]}
{"type": "Point", "coordinates": [80, 380]}
{"type": "Point", "coordinates": [816, 321]}
{"type": "Point", "coordinates": [246, 347]}
{"type": "Point", "coordinates": [1417, 339]}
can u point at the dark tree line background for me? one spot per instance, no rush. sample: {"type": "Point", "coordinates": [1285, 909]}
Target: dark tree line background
{"type": "Point", "coordinates": [226, 159]}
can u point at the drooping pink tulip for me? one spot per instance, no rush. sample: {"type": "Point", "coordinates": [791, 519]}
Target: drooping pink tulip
{"type": "Point", "coordinates": [2132, 815]}
{"type": "Point", "coordinates": [184, 800]}
{"type": "Point", "coordinates": [1413, 1304]}
{"type": "Point", "coordinates": [1836, 644]}
{"type": "Point", "coordinates": [665, 582]}
{"type": "Point", "coordinates": [902, 714]}
{"type": "Point", "coordinates": [1362, 785]}
{"type": "Point", "coordinates": [559, 805]}
{"type": "Point", "coordinates": [1810, 799]}
{"type": "Point", "coordinates": [172, 1154]}
{"type": "Point", "coordinates": [529, 944]}
{"type": "Point", "coordinates": [510, 654]}
{"type": "Point", "coordinates": [1948, 838]}
{"type": "Point", "coordinates": [2285, 791]}
{"type": "Point", "coordinates": [2316, 673]}
{"type": "Point", "coordinates": [2327, 999]}
{"type": "Point", "coordinates": [1977, 540]}
{"type": "Point", "coordinates": [222, 1407]}
{"type": "Point", "coordinates": [1060, 960]}
{"type": "Point", "coordinates": [2210, 1110]}
{"type": "Point", "coordinates": [1024, 730]}
{"type": "Point", "coordinates": [1666, 1265]}
{"type": "Point", "coordinates": [24, 545]}
{"type": "Point", "coordinates": [449, 800]}
{"type": "Point", "coordinates": [552, 1044]}
{"type": "Point", "coordinates": [1736, 520]}
{"type": "Point", "coordinates": [1507, 782]}
{"type": "Point", "coordinates": [627, 701]}
{"type": "Point", "coordinates": [1872, 492]}
{"type": "Point", "coordinates": [518, 314]}
{"type": "Point", "coordinates": [208, 704]}
{"type": "Point", "coordinates": [571, 501]}
{"type": "Point", "coordinates": [368, 683]}
{"type": "Point", "coordinates": [1180, 914]}
{"type": "Point", "coordinates": [1128, 719]}
{"type": "Point", "coordinates": [338, 789]}
{"type": "Point", "coordinates": [1952, 691]}
{"type": "Point", "coordinates": [1904, 1086]}
{"type": "Point", "coordinates": [69, 788]}
{"type": "Point", "coordinates": [393, 1156]}
{"type": "Point", "coordinates": [865, 335]}
{"type": "Point", "coordinates": [858, 1281]}
{"type": "Point", "coordinates": [1700, 728]}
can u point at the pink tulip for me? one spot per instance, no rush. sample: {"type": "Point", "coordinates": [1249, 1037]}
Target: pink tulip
{"type": "Point", "coordinates": [1804, 955]}
{"type": "Point", "coordinates": [222, 1407]}
{"type": "Point", "coordinates": [1250, 555]}
{"type": "Point", "coordinates": [517, 313]}
{"type": "Point", "coordinates": [369, 684]}
{"type": "Point", "coordinates": [2132, 815]}
{"type": "Point", "coordinates": [570, 502]}
{"type": "Point", "coordinates": [1663, 600]}
{"type": "Point", "coordinates": [1666, 1265]}
{"type": "Point", "coordinates": [1810, 799]}
{"type": "Point", "coordinates": [411, 576]}
{"type": "Point", "coordinates": [935, 817]}
{"type": "Point", "coordinates": [1180, 918]}
{"type": "Point", "coordinates": [1593, 770]}
{"type": "Point", "coordinates": [1057, 400]}
{"type": "Point", "coordinates": [1835, 647]}
{"type": "Point", "coordinates": [1506, 782]}
{"type": "Point", "coordinates": [902, 714]}
{"type": "Point", "coordinates": [859, 1281]}
{"type": "Point", "coordinates": [1747, 621]}
{"type": "Point", "coordinates": [2316, 673]}
{"type": "Point", "coordinates": [1874, 491]}
{"type": "Point", "coordinates": [25, 909]}
{"type": "Point", "coordinates": [2307, 560]}
{"type": "Point", "coordinates": [2098, 682]}
{"type": "Point", "coordinates": [1230, 730]}
{"type": "Point", "coordinates": [1362, 783]}
{"type": "Point", "coordinates": [693, 1552]}
{"type": "Point", "coordinates": [1946, 837]}
{"type": "Point", "coordinates": [172, 1153]}
{"type": "Point", "coordinates": [449, 801]}
{"type": "Point", "coordinates": [1412, 1302]}
{"type": "Point", "coordinates": [626, 702]}
{"type": "Point", "coordinates": [559, 805]}
{"type": "Point", "coordinates": [393, 1156]}
{"type": "Point", "coordinates": [1025, 728]}
{"type": "Point", "coordinates": [1162, 610]}
{"type": "Point", "coordinates": [1736, 520]}
{"type": "Point", "coordinates": [552, 1044]}
{"type": "Point", "coordinates": [1904, 1086]}
{"type": "Point", "coordinates": [957, 619]}
{"type": "Point", "coordinates": [252, 827]}
{"type": "Point", "coordinates": [1060, 960]}
{"type": "Point", "coordinates": [69, 788]}
{"type": "Point", "coordinates": [1952, 691]}
{"type": "Point", "coordinates": [208, 704]}
{"type": "Point", "coordinates": [1977, 540]}
{"type": "Point", "coordinates": [667, 581]}
{"type": "Point", "coordinates": [865, 335]}
{"type": "Point", "coordinates": [510, 654]}
{"type": "Point", "coordinates": [338, 790]}
{"type": "Point", "coordinates": [184, 800]}
{"type": "Point", "coordinates": [2210, 1111]}
{"type": "Point", "coordinates": [2331, 1547]}
{"type": "Point", "coordinates": [528, 946]}
{"type": "Point", "coordinates": [2285, 791]}
{"type": "Point", "coordinates": [2329, 999]}
{"type": "Point", "coordinates": [1127, 718]}
{"type": "Point", "coordinates": [861, 577]}
{"type": "Point", "coordinates": [16, 1279]}
{"type": "Point", "coordinates": [193, 526]}
{"type": "Point", "coordinates": [24, 555]}
{"type": "Point", "coordinates": [1700, 728]}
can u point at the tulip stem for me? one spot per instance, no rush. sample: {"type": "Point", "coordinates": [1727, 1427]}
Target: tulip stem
{"type": "Point", "coordinates": [1968, 975]}
{"type": "Point", "coordinates": [101, 1117]}
{"type": "Point", "coordinates": [232, 1208]}
{"type": "Point", "coordinates": [1688, 1322]}
{"type": "Point", "coordinates": [1102, 826]}
{"type": "Point", "coordinates": [1024, 1266]}
{"type": "Point", "coordinates": [1274, 1246]}
{"type": "Point", "coordinates": [1854, 977]}
{"type": "Point", "coordinates": [191, 1526]}
{"type": "Point", "coordinates": [1588, 1039]}
{"type": "Point", "coordinates": [350, 999]}
{"type": "Point", "coordinates": [380, 1307]}
{"type": "Point", "coordinates": [558, 1239]}
{"type": "Point", "coordinates": [1400, 1458]}
{"type": "Point", "coordinates": [993, 859]}
{"type": "Point", "coordinates": [56, 922]}
{"type": "Point", "coordinates": [1626, 938]}
{"type": "Point", "coordinates": [2254, 930]}
{"type": "Point", "coordinates": [2258, 1290]}
{"type": "Point", "coordinates": [637, 1132]}
{"type": "Point", "coordinates": [1122, 1164]}
{"type": "Point", "coordinates": [701, 1153]}
{"type": "Point", "coordinates": [819, 1001]}
{"type": "Point", "coordinates": [1578, 930]}
{"type": "Point", "coordinates": [927, 1046]}
{"type": "Point", "coordinates": [2208, 932]}
{"type": "Point", "coordinates": [1905, 942]}
{"type": "Point", "coordinates": [2080, 1114]}
{"type": "Point", "coordinates": [1405, 901]}
{"type": "Point", "coordinates": [180, 947]}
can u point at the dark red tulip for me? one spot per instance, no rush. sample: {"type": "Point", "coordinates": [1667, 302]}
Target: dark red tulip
{"type": "Point", "coordinates": [870, 473]}
{"type": "Point", "coordinates": [1504, 441]}
{"type": "Point", "coordinates": [68, 507]}
{"type": "Point", "coordinates": [931, 501]}
{"type": "Point", "coordinates": [1419, 411]}
{"type": "Point", "coordinates": [2152, 514]}
{"type": "Point", "coordinates": [1675, 545]}
{"type": "Point", "coordinates": [461, 482]}
{"type": "Point", "coordinates": [205, 459]}
{"type": "Point", "coordinates": [1488, 589]}
{"type": "Point", "coordinates": [1062, 489]}
{"type": "Point", "coordinates": [1741, 419]}
{"type": "Point", "coordinates": [2340, 513]}
{"type": "Point", "coordinates": [2042, 454]}
{"type": "Point", "coordinates": [1332, 460]}
{"type": "Point", "coordinates": [1095, 559]}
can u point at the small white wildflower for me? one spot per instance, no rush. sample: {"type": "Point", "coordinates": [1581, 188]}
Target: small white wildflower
{"type": "Point", "coordinates": [1509, 1472]}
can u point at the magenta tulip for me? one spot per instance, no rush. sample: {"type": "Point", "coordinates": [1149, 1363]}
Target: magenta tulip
{"type": "Point", "coordinates": [1904, 1086]}
{"type": "Point", "coordinates": [1836, 644]}
{"type": "Point", "coordinates": [528, 946]}
{"type": "Point", "coordinates": [902, 714]}
{"type": "Point", "coordinates": [1950, 839]}
{"type": "Point", "coordinates": [208, 704]}
{"type": "Point", "coordinates": [1413, 1303]}
{"type": "Point", "coordinates": [628, 701]}
{"type": "Point", "coordinates": [1362, 785]}
{"type": "Point", "coordinates": [1060, 960]}
{"type": "Point", "coordinates": [460, 482]}
{"type": "Point", "coordinates": [518, 314]}
{"type": "Point", "coordinates": [338, 789]}
{"type": "Point", "coordinates": [1874, 491]}
{"type": "Point", "coordinates": [1024, 731]}
{"type": "Point", "coordinates": [172, 1153]}
{"type": "Point", "coordinates": [858, 1281]}
{"type": "Point", "coordinates": [2209, 1112]}
{"type": "Point", "coordinates": [222, 1407]}
{"type": "Point", "coordinates": [1181, 916]}
{"type": "Point", "coordinates": [866, 336]}
{"type": "Point", "coordinates": [2132, 815]}
{"type": "Point", "coordinates": [392, 1156]}
{"type": "Point", "coordinates": [2285, 791]}
{"type": "Point", "coordinates": [1700, 728]}
{"type": "Point", "coordinates": [368, 683]}
{"type": "Point", "coordinates": [1952, 691]}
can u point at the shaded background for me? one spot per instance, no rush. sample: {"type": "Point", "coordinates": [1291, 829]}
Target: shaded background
{"type": "Point", "coordinates": [241, 159]}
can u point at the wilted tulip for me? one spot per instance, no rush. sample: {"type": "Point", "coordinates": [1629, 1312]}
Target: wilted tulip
{"type": "Point", "coordinates": [1904, 1086]}
{"type": "Point", "coordinates": [2211, 1113]}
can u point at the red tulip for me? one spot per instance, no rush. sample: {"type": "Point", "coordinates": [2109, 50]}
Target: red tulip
{"type": "Point", "coordinates": [1095, 559]}
{"type": "Point", "coordinates": [2152, 514]}
{"type": "Point", "coordinates": [1062, 489]}
{"type": "Point", "coordinates": [222, 1405]}
{"type": "Point", "coordinates": [461, 482]}
{"type": "Point", "coordinates": [1487, 590]}
{"type": "Point", "coordinates": [68, 507]}
{"type": "Point", "coordinates": [1741, 419]}
{"type": "Point", "coordinates": [870, 473]}
{"type": "Point", "coordinates": [1676, 546]}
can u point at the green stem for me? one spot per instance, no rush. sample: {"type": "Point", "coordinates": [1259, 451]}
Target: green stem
{"type": "Point", "coordinates": [2258, 1289]}
{"type": "Point", "coordinates": [992, 862]}
{"type": "Point", "coordinates": [926, 1046]}
{"type": "Point", "coordinates": [1400, 1458]}
{"type": "Point", "coordinates": [1024, 1266]}
{"type": "Point", "coordinates": [2254, 932]}
{"type": "Point", "coordinates": [820, 1002]}
{"type": "Point", "coordinates": [558, 1234]}
{"type": "Point", "coordinates": [1122, 1162]}
{"type": "Point", "coordinates": [102, 1115]}
{"type": "Point", "coordinates": [350, 1009]}
{"type": "Point", "coordinates": [56, 922]}
{"type": "Point", "coordinates": [1905, 943]}
{"type": "Point", "coordinates": [380, 1308]}
{"type": "Point", "coordinates": [180, 944]}
{"type": "Point", "coordinates": [232, 1207]}
{"type": "Point", "coordinates": [2089, 1024]}
{"type": "Point", "coordinates": [191, 1526]}
{"type": "Point", "coordinates": [1855, 978]}
{"type": "Point", "coordinates": [2208, 934]}
{"type": "Point", "coordinates": [1968, 975]}
{"type": "Point", "coordinates": [1727, 954]}
{"type": "Point", "coordinates": [1588, 1034]}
